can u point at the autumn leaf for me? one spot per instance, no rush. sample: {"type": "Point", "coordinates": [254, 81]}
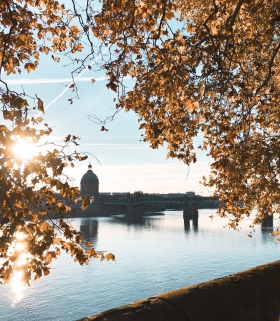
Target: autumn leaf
{"type": "Point", "coordinates": [29, 67]}
{"type": "Point", "coordinates": [46, 270]}
{"type": "Point", "coordinates": [39, 119]}
{"type": "Point", "coordinates": [46, 50]}
{"type": "Point", "coordinates": [57, 240]}
{"type": "Point", "coordinates": [113, 86]}
{"type": "Point", "coordinates": [104, 129]}
{"type": "Point", "coordinates": [189, 105]}
{"type": "Point", "coordinates": [3, 128]}
{"type": "Point", "coordinates": [179, 129]}
{"type": "Point", "coordinates": [81, 158]}
{"type": "Point", "coordinates": [37, 276]}
{"type": "Point", "coordinates": [110, 256]}
{"type": "Point", "coordinates": [7, 115]}
{"type": "Point", "coordinates": [57, 59]}
{"type": "Point", "coordinates": [143, 125]}
{"type": "Point", "coordinates": [40, 105]}
{"type": "Point", "coordinates": [113, 82]}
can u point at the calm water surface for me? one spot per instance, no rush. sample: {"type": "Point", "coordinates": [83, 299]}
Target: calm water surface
{"type": "Point", "coordinates": [154, 254]}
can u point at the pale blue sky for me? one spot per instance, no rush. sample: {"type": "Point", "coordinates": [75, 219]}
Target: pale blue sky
{"type": "Point", "coordinates": [127, 163]}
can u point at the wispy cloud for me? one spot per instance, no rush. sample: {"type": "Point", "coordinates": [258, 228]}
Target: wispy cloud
{"type": "Point", "coordinates": [61, 137]}
{"type": "Point", "coordinates": [106, 144]}
{"type": "Point", "coordinates": [118, 146]}
{"type": "Point", "coordinates": [50, 80]}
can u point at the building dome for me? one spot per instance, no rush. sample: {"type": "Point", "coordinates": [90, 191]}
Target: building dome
{"type": "Point", "coordinates": [90, 183]}
{"type": "Point", "coordinates": [89, 176]}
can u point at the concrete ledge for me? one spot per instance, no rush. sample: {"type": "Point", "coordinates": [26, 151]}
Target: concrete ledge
{"type": "Point", "coordinates": [251, 295]}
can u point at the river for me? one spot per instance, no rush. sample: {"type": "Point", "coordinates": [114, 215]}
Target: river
{"type": "Point", "coordinates": [154, 254]}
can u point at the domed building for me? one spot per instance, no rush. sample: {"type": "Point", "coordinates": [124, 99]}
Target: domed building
{"type": "Point", "coordinates": [90, 183]}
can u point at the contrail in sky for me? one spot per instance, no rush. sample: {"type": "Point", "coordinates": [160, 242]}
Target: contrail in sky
{"type": "Point", "coordinates": [87, 107]}
{"type": "Point", "coordinates": [79, 78]}
{"type": "Point", "coordinates": [75, 79]}
{"type": "Point", "coordinates": [95, 101]}
{"type": "Point", "coordinates": [53, 80]}
{"type": "Point", "coordinates": [69, 119]}
{"type": "Point", "coordinates": [49, 80]}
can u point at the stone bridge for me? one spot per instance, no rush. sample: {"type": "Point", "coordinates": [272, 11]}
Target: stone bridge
{"type": "Point", "coordinates": [140, 206]}
{"type": "Point", "coordinates": [144, 205]}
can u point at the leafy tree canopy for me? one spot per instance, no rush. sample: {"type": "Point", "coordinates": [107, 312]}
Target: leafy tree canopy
{"type": "Point", "coordinates": [207, 68]}
{"type": "Point", "coordinates": [216, 75]}
{"type": "Point", "coordinates": [32, 229]}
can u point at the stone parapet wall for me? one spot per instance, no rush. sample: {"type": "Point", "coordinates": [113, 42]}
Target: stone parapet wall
{"type": "Point", "coordinates": [251, 295]}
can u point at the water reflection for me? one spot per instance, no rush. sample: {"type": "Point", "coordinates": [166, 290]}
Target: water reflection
{"type": "Point", "coordinates": [154, 254]}
{"type": "Point", "coordinates": [18, 286]}
{"type": "Point", "coordinates": [133, 220]}
{"type": "Point", "coordinates": [267, 228]}
{"type": "Point", "coordinates": [187, 223]}
{"type": "Point", "coordinates": [267, 224]}
{"type": "Point", "coordinates": [19, 249]}
{"type": "Point", "coordinates": [142, 221]}
{"type": "Point", "coordinates": [89, 228]}
{"type": "Point", "coordinates": [195, 223]}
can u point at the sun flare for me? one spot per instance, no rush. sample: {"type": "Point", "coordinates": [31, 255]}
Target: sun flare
{"type": "Point", "coordinates": [20, 236]}
{"type": "Point", "coordinates": [24, 149]}
{"type": "Point", "coordinates": [18, 286]}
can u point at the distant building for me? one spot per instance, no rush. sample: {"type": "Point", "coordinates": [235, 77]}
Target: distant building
{"type": "Point", "coordinates": [119, 193]}
{"type": "Point", "coordinates": [190, 194]}
{"type": "Point", "coordinates": [90, 183]}
{"type": "Point", "coordinates": [173, 195]}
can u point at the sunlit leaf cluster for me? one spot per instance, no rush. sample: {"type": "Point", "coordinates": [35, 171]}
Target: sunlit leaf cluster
{"type": "Point", "coordinates": [33, 231]}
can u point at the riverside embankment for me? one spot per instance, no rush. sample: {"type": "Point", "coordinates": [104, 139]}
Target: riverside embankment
{"type": "Point", "coordinates": [251, 295]}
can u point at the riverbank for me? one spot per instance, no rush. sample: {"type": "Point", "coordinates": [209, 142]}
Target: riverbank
{"type": "Point", "coordinates": [251, 295]}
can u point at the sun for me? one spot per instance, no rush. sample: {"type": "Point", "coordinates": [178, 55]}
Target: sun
{"type": "Point", "coordinates": [24, 149]}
